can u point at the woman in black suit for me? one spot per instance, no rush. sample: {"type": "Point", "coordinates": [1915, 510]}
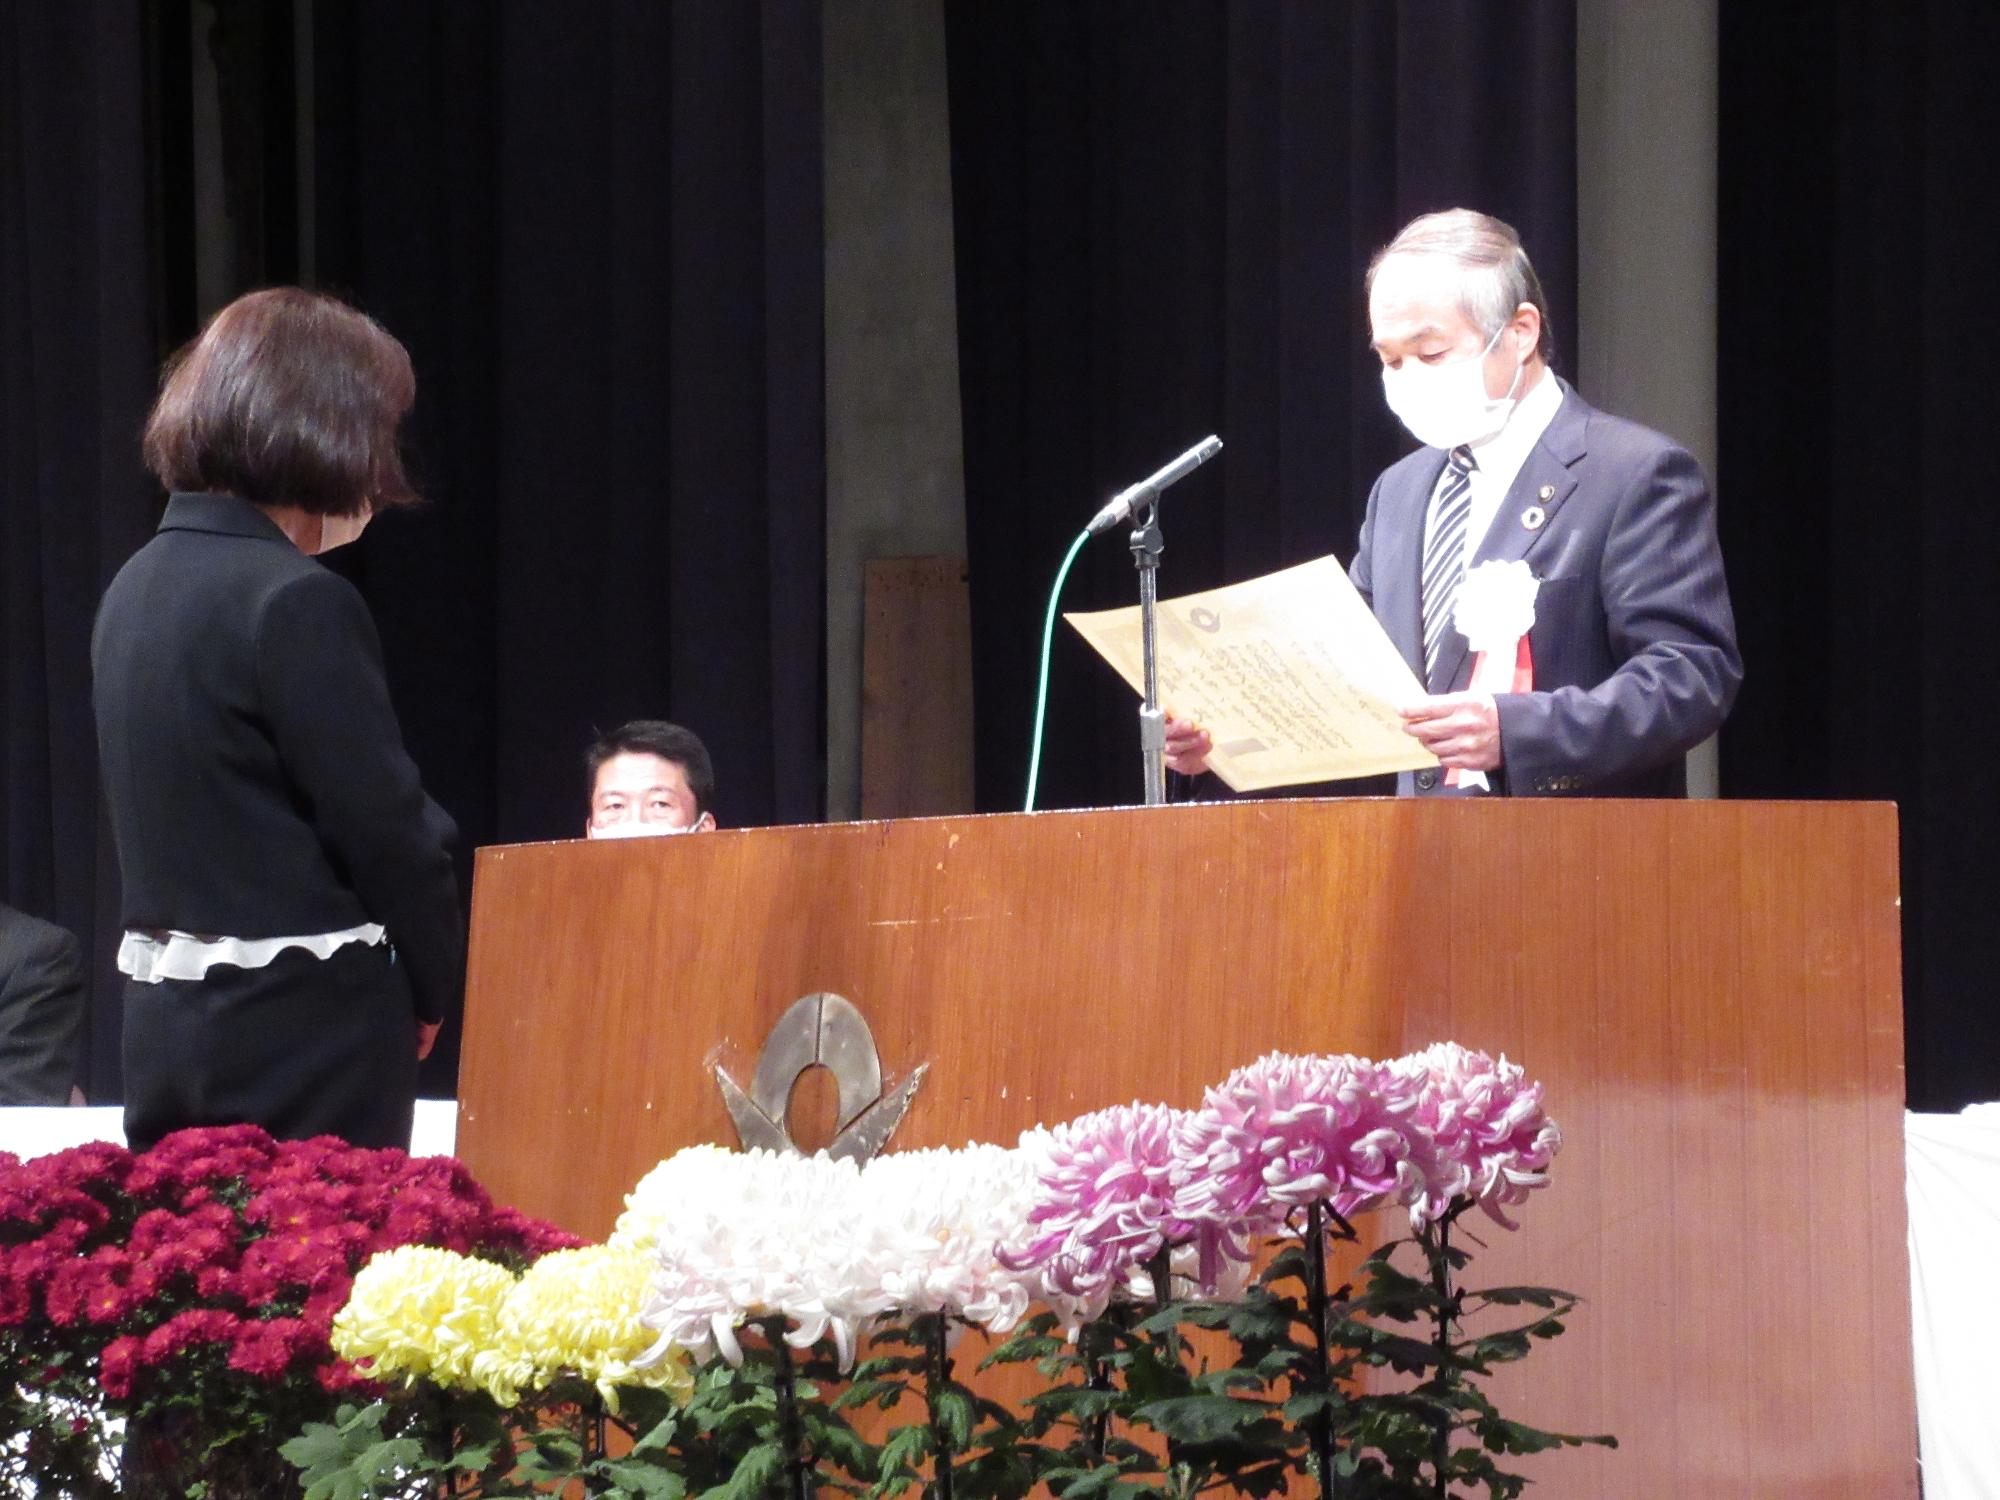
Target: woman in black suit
{"type": "Point", "coordinates": [293, 931]}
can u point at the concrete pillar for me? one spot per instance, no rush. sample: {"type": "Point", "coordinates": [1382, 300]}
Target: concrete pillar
{"type": "Point", "coordinates": [895, 482]}
{"type": "Point", "coordinates": [1646, 152]}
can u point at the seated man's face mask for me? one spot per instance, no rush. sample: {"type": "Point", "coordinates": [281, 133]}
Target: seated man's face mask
{"type": "Point", "coordinates": [639, 828]}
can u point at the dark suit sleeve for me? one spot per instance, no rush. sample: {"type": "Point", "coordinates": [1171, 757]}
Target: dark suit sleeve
{"type": "Point", "coordinates": [41, 1016]}
{"type": "Point", "coordinates": [319, 671]}
{"type": "Point", "coordinates": [1361, 572]}
{"type": "Point", "coordinates": [1667, 621]}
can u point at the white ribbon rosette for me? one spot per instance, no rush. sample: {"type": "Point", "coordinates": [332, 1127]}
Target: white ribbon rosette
{"type": "Point", "coordinates": [1495, 611]}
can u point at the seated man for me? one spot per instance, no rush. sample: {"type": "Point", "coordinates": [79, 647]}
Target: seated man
{"type": "Point", "coordinates": [649, 777]}
{"type": "Point", "coordinates": [41, 1010]}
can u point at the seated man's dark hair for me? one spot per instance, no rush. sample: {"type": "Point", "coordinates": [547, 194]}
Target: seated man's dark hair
{"type": "Point", "coordinates": [656, 737]}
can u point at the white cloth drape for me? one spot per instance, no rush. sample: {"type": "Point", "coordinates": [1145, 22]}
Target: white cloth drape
{"type": "Point", "coordinates": [34, 1130]}
{"type": "Point", "coordinates": [1952, 1178]}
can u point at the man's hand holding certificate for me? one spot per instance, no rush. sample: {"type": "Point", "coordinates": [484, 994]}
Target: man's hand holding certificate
{"type": "Point", "coordinates": [1290, 674]}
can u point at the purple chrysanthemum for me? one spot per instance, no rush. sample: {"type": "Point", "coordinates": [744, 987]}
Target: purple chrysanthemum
{"type": "Point", "coordinates": [1490, 1141]}
{"type": "Point", "coordinates": [1287, 1131]}
{"type": "Point", "coordinates": [1104, 1206]}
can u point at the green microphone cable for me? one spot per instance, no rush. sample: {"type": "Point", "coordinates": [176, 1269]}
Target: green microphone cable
{"type": "Point", "coordinates": [1042, 690]}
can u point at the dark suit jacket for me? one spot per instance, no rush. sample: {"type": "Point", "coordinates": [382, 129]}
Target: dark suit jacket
{"type": "Point", "coordinates": [41, 1010]}
{"type": "Point", "coordinates": [254, 770]}
{"type": "Point", "coordinates": [1634, 643]}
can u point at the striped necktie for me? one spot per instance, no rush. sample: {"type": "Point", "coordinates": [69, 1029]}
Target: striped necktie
{"type": "Point", "coordinates": [1444, 554]}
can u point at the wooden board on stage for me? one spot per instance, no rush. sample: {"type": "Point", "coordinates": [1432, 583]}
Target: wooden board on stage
{"type": "Point", "coordinates": [1710, 990]}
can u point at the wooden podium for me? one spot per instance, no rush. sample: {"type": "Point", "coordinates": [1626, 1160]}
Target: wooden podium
{"type": "Point", "coordinates": [1710, 990]}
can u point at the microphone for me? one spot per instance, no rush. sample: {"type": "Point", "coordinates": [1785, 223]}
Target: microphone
{"type": "Point", "coordinates": [1126, 501]}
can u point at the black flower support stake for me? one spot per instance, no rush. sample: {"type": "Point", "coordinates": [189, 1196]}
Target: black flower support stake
{"type": "Point", "coordinates": [791, 1429]}
{"type": "Point", "coordinates": [1320, 1423]}
{"type": "Point", "coordinates": [1435, 1240]}
{"type": "Point", "coordinates": [937, 1381]}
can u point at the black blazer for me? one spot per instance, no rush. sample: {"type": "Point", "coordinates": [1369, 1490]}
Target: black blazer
{"type": "Point", "coordinates": [253, 767]}
{"type": "Point", "coordinates": [41, 1010]}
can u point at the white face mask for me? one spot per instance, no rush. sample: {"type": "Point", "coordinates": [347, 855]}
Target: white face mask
{"type": "Point", "coordinates": [1446, 406]}
{"type": "Point", "coordinates": [636, 829]}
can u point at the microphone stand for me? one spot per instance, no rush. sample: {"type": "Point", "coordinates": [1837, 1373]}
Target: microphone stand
{"type": "Point", "coordinates": [1147, 545]}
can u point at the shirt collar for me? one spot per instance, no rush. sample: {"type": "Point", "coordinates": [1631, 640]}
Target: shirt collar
{"type": "Point", "coordinates": [223, 515]}
{"type": "Point", "coordinates": [1500, 457]}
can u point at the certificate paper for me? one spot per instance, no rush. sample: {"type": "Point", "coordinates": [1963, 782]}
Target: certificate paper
{"type": "Point", "coordinates": [1291, 675]}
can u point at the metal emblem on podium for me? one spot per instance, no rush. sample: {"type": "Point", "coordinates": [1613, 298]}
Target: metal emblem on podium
{"type": "Point", "coordinates": [824, 1030]}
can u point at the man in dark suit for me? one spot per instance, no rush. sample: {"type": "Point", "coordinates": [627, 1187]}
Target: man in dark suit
{"type": "Point", "coordinates": [1631, 659]}
{"type": "Point", "coordinates": [41, 1010]}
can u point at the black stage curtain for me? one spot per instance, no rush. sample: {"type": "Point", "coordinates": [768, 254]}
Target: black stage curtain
{"type": "Point", "coordinates": [597, 228]}
{"type": "Point", "coordinates": [1164, 211]}
{"type": "Point", "coordinates": [76, 374]}
{"type": "Point", "coordinates": [1858, 324]}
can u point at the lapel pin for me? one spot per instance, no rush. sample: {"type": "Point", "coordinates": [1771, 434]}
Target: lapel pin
{"type": "Point", "coordinates": [1533, 517]}
{"type": "Point", "coordinates": [1547, 493]}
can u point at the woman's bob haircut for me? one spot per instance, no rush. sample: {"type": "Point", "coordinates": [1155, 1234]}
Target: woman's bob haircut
{"type": "Point", "coordinates": [287, 397]}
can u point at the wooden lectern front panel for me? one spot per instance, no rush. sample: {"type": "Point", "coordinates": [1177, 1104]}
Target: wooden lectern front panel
{"type": "Point", "coordinates": [1710, 992]}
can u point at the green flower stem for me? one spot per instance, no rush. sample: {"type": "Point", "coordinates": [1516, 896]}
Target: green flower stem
{"type": "Point", "coordinates": [937, 1376]}
{"type": "Point", "coordinates": [791, 1430]}
{"type": "Point", "coordinates": [1320, 1425]}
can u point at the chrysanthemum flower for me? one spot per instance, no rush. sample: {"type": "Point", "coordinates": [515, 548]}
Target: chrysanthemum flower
{"type": "Point", "coordinates": [1104, 1208]}
{"type": "Point", "coordinates": [929, 1231]}
{"type": "Point", "coordinates": [576, 1312]}
{"type": "Point", "coordinates": [1489, 1140]}
{"type": "Point", "coordinates": [421, 1312]}
{"type": "Point", "coordinates": [753, 1235]}
{"type": "Point", "coordinates": [662, 1193]}
{"type": "Point", "coordinates": [1287, 1131]}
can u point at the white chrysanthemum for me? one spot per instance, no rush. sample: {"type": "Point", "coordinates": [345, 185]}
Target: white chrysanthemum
{"type": "Point", "coordinates": [753, 1235]}
{"type": "Point", "coordinates": [684, 1177]}
{"type": "Point", "coordinates": [932, 1223]}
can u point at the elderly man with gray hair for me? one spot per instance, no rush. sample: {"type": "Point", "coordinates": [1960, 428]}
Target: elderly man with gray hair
{"type": "Point", "coordinates": [1550, 572]}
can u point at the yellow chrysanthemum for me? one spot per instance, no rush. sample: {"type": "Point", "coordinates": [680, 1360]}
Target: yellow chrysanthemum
{"type": "Point", "coordinates": [576, 1312]}
{"type": "Point", "coordinates": [420, 1312]}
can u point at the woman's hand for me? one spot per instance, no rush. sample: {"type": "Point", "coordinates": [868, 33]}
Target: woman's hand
{"type": "Point", "coordinates": [427, 1035]}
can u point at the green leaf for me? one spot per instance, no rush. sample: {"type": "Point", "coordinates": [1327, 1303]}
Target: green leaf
{"type": "Point", "coordinates": [660, 1436]}
{"type": "Point", "coordinates": [636, 1478]}
{"type": "Point", "coordinates": [897, 1462]}
{"type": "Point", "coordinates": [474, 1457]}
{"type": "Point", "coordinates": [755, 1472]}
{"type": "Point", "coordinates": [1079, 1401]}
{"type": "Point", "coordinates": [840, 1443]}
{"type": "Point", "coordinates": [1202, 1419]}
{"type": "Point", "coordinates": [1534, 1296]}
{"type": "Point", "coordinates": [1308, 1406]}
{"type": "Point", "coordinates": [952, 1411]}
{"type": "Point", "coordinates": [387, 1459]}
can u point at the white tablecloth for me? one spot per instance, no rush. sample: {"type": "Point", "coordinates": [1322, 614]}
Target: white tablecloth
{"type": "Point", "coordinates": [1952, 1178]}
{"type": "Point", "coordinates": [27, 1131]}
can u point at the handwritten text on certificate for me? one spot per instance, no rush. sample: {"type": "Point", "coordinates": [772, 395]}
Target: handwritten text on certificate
{"type": "Point", "coordinates": [1290, 674]}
